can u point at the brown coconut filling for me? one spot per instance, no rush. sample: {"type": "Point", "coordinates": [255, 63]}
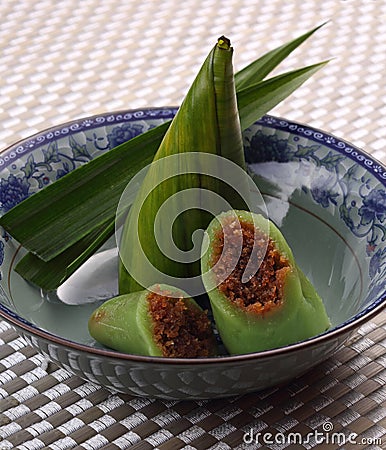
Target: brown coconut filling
{"type": "Point", "coordinates": [264, 290]}
{"type": "Point", "coordinates": [180, 330]}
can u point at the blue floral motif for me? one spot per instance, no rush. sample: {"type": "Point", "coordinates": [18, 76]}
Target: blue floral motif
{"type": "Point", "coordinates": [373, 207]}
{"type": "Point", "coordinates": [377, 262]}
{"type": "Point", "coordinates": [123, 133]}
{"type": "Point", "coordinates": [323, 196]}
{"type": "Point", "coordinates": [376, 290]}
{"type": "Point", "coordinates": [262, 147]}
{"type": "Point", "coordinates": [363, 210]}
{"type": "Point", "coordinates": [79, 151]}
{"type": "Point", "coordinates": [13, 191]}
{"type": "Point", "coordinates": [99, 142]}
{"type": "Point", "coordinates": [51, 154]}
{"type": "Point", "coordinates": [324, 187]}
{"type": "Point", "coordinates": [63, 171]}
{"type": "Point", "coordinates": [345, 215]}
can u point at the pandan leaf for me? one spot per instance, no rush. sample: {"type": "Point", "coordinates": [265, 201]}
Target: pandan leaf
{"type": "Point", "coordinates": [261, 67]}
{"type": "Point", "coordinates": [48, 275]}
{"type": "Point", "coordinates": [57, 217]}
{"type": "Point", "coordinates": [206, 123]}
{"type": "Point", "coordinates": [260, 98]}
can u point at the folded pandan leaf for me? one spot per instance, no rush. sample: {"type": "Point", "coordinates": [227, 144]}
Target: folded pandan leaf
{"type": "Point", "coordinates": [206, 123]}
{"type": "Point", "coordinates": [276, 304]}
{"type": "Point", "coordinates": [49, 275]}
{"type": "Point", "coordinates": [161, 321]}
{"type": "Point", "coordinates": [60, 216]}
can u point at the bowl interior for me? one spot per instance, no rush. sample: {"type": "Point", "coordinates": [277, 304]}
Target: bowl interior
{"type": "Point", "coordinates": [326, 196]}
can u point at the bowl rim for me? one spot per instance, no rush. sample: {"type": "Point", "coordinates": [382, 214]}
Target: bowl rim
{"type": "Point", "coordinates": [329, 139]}
{"type": "Point", "coordinates": [267, 120]}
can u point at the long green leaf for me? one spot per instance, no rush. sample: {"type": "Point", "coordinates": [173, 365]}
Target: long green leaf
{"type": "Point", "coordinates": [255, 101]}
{"type": "Point", "coordinates": [261, 67]}
{"type": "Point", "coordinates": [206, 123]}
{"type": "Point", "coordinates": [51, 274]}
{"type": "Point", "coordinates": [55, 218]}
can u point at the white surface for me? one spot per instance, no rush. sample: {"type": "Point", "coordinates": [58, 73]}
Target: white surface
{"type": "Point", "coordinates": [63, 60]}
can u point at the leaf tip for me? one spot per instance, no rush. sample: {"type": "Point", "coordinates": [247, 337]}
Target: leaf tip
{"type": "Point", "coordinates": [224, 43]}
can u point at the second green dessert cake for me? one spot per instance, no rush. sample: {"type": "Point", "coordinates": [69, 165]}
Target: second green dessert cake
{"type": "Point", "coordinates": [276, 305]}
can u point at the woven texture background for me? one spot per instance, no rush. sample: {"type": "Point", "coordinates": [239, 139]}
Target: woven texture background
{"type": "Point", "coordinates": [64, 60]}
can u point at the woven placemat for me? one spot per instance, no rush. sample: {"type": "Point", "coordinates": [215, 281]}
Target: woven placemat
{"type": "Point", "coordinates": [340, 404]}
{"type": "Point", "coordinates": [64, 60]}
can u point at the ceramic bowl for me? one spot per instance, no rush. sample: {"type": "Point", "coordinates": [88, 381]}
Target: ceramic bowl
{"type": "Point", "coordinates": [327, 196]}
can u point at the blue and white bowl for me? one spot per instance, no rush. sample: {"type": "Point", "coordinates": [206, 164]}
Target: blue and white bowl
{"type": "Point", "coordinates": [327, 196]}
